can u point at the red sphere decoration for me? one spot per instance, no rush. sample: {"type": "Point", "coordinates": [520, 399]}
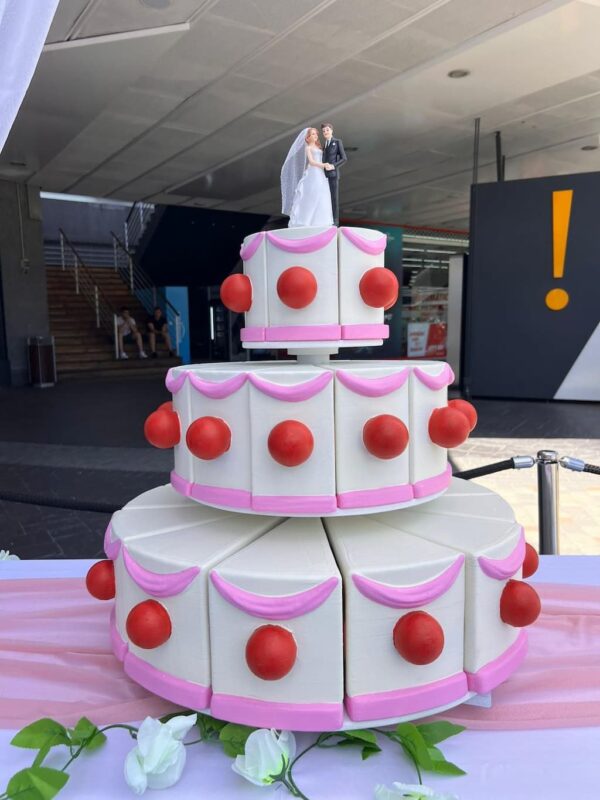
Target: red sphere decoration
{"type": "Point", "coordinates": [168, 406]}
{"type": "Point", "coordinates": [162, 429]}
{"type": "Point", "coordinates": [148, 624]}
{"type": "Point", "coordinates": [519, 604]}
{"type": "Point", "coordinates": [297, 287]}
{"type": "Point", "coordinates": [271, 652]}
{"type": "Point", "coordinates": [467, 409]}
{"type": "Point", "coordinates": [236, 293]}
{"type": "Point", "coordinates": [531, 562]}
{"type": "Point", "coordinates": [291, 443]}
{"type": "Point", "coordinates": [100, 580]}
{"type": "Point", "coordinates": [208, 437]}
{"type": "Point", "coordinates": [385, 436]}
{"type": "Point", "coordinates": [379, 287]}
{"type": "Point", "coordinates": [392, 302]}
{"type": "Point", "coordinates": [448, 427]}
{"type": "Point", "coordinates": [418, 637]}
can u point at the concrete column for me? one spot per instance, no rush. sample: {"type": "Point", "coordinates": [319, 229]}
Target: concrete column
{"type": "Point", "coordinates": [23, 297]}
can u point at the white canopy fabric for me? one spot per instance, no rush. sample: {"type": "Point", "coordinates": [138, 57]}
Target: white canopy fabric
{"type": "Point", "coordinates": [24, 25]}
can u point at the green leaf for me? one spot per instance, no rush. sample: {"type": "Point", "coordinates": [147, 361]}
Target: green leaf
{"type": "Point", "coordinates": [435, 732]}
{"type": "Point", "coordinates": [167, 717]}
{"type": "Point", "coordinates": [39, 733]}
{"type": "Point", "coordinates": [36, 783]}
{"type": "Point", "coordinates": [441, 766]}
{"type": "Point", "coordinates": [370, 750]}
{"type": "Point", "coordinates": [412, 741]}
{"type": "Point", "coordinates": [234, 737]}
{"type": "Point", "coordinates": [86, 730]}
{"type": "Point", "coordinates": [362, 736]}
{"type": "Point", "coordinates": [209, 728]}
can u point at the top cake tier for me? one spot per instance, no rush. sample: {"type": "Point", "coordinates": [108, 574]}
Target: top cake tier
{"type": "Point", "coordinates": [312, 287]}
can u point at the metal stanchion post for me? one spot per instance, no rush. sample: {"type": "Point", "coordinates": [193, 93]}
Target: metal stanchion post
{"type": "Point", "coordinates": [547, 469]}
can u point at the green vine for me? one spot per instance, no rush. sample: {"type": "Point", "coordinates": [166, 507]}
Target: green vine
{"type": "Point", "coordinates": [39, 782]}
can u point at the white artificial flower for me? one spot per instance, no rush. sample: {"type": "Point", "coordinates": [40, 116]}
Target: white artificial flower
{"type": "Point", "coordinates": [266, 753]}
{"type": "Point", "coordinates": [410, 791]}
{"type": "Point", "coordinates": [158, 759]}
{"type": "Point", "coordinates": [6, 555]}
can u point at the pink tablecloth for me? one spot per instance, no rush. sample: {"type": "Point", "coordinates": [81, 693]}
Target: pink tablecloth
{"type": "Point", "coordinates": [55, 660]}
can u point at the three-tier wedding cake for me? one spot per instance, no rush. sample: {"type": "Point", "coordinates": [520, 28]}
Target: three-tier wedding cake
{"type": "Point", "coordinates": [313, 564]}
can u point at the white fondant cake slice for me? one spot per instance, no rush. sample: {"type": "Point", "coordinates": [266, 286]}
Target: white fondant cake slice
{"type": "Point", "coordinates": [299, 404]}
{"type": "Point", "coordinates": [359, 249]}
{"type": "Point", "coordinates": [364, 392]}
{"type": "Point", "coordinates": [428, 390]}
{"type": "Point", "coordinates": [287, 581]}
{"type": "Point", "coordinates": [388, 575]}
{"type": "Point", "coordinates": [488, 640]}
{"type": "Point", "coordinates": [172, 569]}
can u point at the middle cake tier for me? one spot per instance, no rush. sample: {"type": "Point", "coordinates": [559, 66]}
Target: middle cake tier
{"type": "Point", "coordinates": [294, 439]}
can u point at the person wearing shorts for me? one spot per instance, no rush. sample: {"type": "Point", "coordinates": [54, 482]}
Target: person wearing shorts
{"type": "Point", "coordinates": [158, 323]}
{"type": "Point", "coordinates": [127, 331]}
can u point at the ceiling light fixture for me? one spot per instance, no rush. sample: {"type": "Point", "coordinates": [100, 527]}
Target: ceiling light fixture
{"type": "Point", "coordinates": [458, 73]}
{"type": "Point", "coordinates": [156, 5]}
{"type": "Point", "coordinates": [590, 147]}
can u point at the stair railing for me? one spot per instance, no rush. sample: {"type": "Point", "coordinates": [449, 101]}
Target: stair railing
{"type": "Point", "coordinates": [136, 222]}
{"type": "Point", "coordinates": [141, 286]}
{"type": "Point", "coordinates": [86, 286]}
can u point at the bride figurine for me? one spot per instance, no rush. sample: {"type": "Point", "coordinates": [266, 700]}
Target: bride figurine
{"type": "Point", "coordinates": [304, 188]}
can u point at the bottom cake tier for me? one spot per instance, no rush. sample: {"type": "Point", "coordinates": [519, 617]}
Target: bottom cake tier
{"type": "Point", "coordinates": [314, 624]}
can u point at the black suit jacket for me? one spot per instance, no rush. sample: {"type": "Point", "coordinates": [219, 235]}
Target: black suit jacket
{"type": "Point", "coordinates": [336, 155]}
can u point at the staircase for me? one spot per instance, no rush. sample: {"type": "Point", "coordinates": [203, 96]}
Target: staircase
{"type": "Point", "coordinates": [82, 348]}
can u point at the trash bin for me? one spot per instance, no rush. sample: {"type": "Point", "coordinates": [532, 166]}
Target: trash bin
{"type": "Point", "coordinates": [42, 361]}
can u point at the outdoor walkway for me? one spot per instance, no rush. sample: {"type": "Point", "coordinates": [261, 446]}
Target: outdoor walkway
{"type": "Point", "coordinates": [83, 441]}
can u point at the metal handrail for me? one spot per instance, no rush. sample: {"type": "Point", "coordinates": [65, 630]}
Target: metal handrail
{"type": "Point", "coordinates": [86, 286]}
{"type": "Point", "coordinates": [135, 224]}
{"type": "Point", "coordinates": [141, 285]}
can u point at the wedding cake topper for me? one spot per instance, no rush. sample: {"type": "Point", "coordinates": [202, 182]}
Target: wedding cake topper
{"type": "Point", "coordinates": [310, 179]}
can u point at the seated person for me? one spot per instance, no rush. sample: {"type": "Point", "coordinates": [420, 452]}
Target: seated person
{"type": "Point", "coordinates": [127, 331]}
{"type": "Point", "coordinates": [158, 323]}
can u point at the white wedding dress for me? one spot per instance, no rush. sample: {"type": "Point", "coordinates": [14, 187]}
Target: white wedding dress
{"type": "Point", "coordinates": [311, 206]}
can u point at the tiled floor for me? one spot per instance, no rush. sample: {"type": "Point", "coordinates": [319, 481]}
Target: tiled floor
{"type": "Point", "coordinates": [84, 440]}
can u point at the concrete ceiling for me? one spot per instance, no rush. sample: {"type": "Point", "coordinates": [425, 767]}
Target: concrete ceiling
{"type": "Point", "coordinates": [196, 101]}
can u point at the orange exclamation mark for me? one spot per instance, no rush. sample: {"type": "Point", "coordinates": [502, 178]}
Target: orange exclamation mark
{"type": "Point", "coordinates": [557, 299]}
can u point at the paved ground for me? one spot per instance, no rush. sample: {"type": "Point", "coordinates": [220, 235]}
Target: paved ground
{"type": "Point", "coordinates": [83, 440]}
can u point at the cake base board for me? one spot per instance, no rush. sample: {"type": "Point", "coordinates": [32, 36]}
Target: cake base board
{"type": "Point", "coordinates": [470, 698]}
{"type": "Point", "coordinates": [340, 512]}
{"type": "Point", "coordinates": [331, 346]}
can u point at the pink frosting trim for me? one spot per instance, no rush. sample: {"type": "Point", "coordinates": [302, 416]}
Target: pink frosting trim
{"type": "Point", "coordinates": [503, 568]}
{"type": "Point", "coordinates": [175, 382]}
{"type": "Point", "coordinates": [367, 498]}
{"type": "Point", "coordinates": [409, 596]}
{"type": "Point", "coordinates": [111, 546]}
{"type": "Point", "coordinates": [180, 484]}
{"type": "Point", "coordinates": [119, 647]}
{"type": "Point", "coordinates": [248, 250]}
{"type": "Point", "coordinates": [232, 498]}
{"type": "Point", "coordinates": [373, 387]}
{"type": "Point", "coordinates": [445, 378]}
{"type": "Point", "coordinates": [155, 583]}
{"type": "Point", "coordinates": [398, 702]}
{"type": "Point", "coordinates": [280, 607]}
{"type": "Point", "coordinates": [252, 334]}
{"type": "Point", "coordinates": [292, 504]}
{"type": "Point", "coordinates": [433, 485]}
{"type": "Point", "coordinates": [366, 331]}
{"type": "Point", "coordinates": [217, 390]}
{"type": "Point", "coordinates": [309, 244]}
{"type": "Point", "coordinates": [501, 668]}
{"type": "Point", "coordinates": [293, 393]}
{"type": "Point", "coordinates": [269, 714]}
{"type": "Point", "coordinates": [178, 690]}
{"type": "Point", "coordinates": [303, 333]}
{"type": "Point", "coordinates": [371, 246]}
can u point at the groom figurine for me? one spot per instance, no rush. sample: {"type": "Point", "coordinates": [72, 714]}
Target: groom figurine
{"type": "Point", "coordinates": [334, 155]}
